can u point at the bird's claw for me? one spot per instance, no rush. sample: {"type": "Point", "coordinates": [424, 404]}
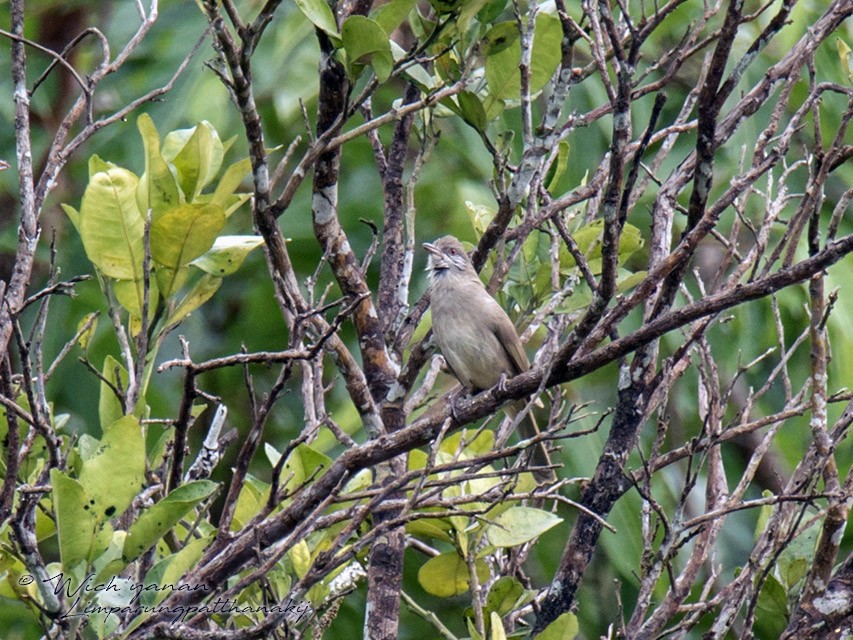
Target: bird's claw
{"type": "Point", "coordinates": [456, 397]}
{"type": "Point", "coordinates": [501, 385]}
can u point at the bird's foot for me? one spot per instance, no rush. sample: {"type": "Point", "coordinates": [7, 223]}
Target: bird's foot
{"type": "Point", "coordinates": [501, 385]}
{"type": "Point", "coordinates": [454, 400]}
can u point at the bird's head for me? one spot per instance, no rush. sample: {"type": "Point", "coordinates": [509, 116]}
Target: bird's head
{"type": "Point", "coordinates": [447, 256]}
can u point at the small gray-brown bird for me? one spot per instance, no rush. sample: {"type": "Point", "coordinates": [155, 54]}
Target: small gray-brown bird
{"type": "Point", "coordinates": [475, 335]}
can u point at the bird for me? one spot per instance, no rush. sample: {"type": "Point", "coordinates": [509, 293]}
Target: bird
{"type": "Point", "coordinates": [475, 335]}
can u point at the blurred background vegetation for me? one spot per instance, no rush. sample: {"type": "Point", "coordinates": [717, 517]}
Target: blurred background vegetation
{"type": "Point", "coordinates": [243, 311]}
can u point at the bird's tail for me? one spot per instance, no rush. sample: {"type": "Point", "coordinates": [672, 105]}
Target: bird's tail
{"type": "Point", "coordinates": [539, 456]}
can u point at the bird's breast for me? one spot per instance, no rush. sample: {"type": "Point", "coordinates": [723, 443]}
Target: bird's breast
{"type": "Point", "coordinates": [471, 348]}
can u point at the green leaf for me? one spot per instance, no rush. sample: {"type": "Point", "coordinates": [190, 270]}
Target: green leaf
{"type": "Point", "coordinates": [227, 254]}
{"type": "Point", "coordinates": [153, 523]}
{"type": "Point", "coordinates": [197, 154]}
{"type": "Point", "coordinates": [171, 569]}
{"type": "Point", "coordinates": [503, 595]}
{"type": "Point", "coordinates": [772, 606]}
{"type": "Point", "coordinates": [366, 42]}
{"type": "Point", "coordinates": [184, 233]}
{"type": "Point", "coordinates": [491, 11]}
{"type": "Point", "coordinates": [469, 10]}
{"type": "Point", "coordinates": [472, 110]}
{"type": "Point", "coordinates": [111, 226]}
{"type": "Point", "coordinates": [446, 575]}
{"type": "Point", "coordinates": [115, 473]}
{"type": "Point", "coordinates": [392, 13]}
{"type": "Point", "coordinates": [303, 463]}
{"type": "Point", "coordinates": [565, 627]}
{"type": "Point", "coordinates": [556, 171]}
{"type": "Point", "coordinates": [445, 6]}
{"type": "Point", "coordinates": [109, 406]}
{"type": "Point", "coordinates": [588, 239]}
{"type": "Point", "coordinates": [414, 72]}
{"type": "Point", "coordinates": [434, 528]}
{"type": "Point", "coordinates": [793, 572]}
{"type": "Point", "coordinates": [499, 37]}
{"type": "Point", "coordinates": [320, 15]}
{"type": "Point", "coordinates": [200, 293]}
{"type": "Point", "coordinates": [494, 110]}
{"type": "Point", "coordinates": [502, 73]}
{"type": "Point", "coordinates": [519, 525]}
{"type": "Point", "coordinates": [157, 187]}
{"type": "Point", "coordinates": [75, 521]}
{"type": "Point", "coordinates": [472, 629]}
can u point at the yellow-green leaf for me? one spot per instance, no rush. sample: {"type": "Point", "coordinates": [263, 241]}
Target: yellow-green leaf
{"type": "Point", "coordinates": [230, 181]}
{"type": "Point", "coordinates": [502, 73]}
{"type": "Point", "coordinates": [504, 595]}
{"type": "Point", "coordinates": [131, 296]}
{"type": "Point", "coordinates": [300, 556]}
{"type": "Point", "coordinates": [86, 337]}
{"type": "Point", "coordinates": [565, 627]}
{"type": "Point", "coordinates": [446, 575]}
{"type": "Point", "coordinates": [197, 296]}
{"type": "Point", "coordinates": [109, 406]}
{"type": "Point", "coordinates": [519, 525]}
{"type": "Point", "coordinates": [197, 154]}
{"type": "Point", "coordinates": [73, 215]}
{"type": "Point", "coordinates": [497, 631]}
{"type": "Point", "coordinates": [111, 226]}
{"type": "Point", "coordinates": [227, 254]}
{"type": "Point", "coordinates": [846, 56]}
{"type": "Point", "coordinates": [472, 110]}
{"type": "Point", "coordinates": [76, 523]}
{"type": "Point", "coordinates": [157, 187]}
{"type": "Point", "coordinates": [115, 473]}
{"type": "Point", "coordinates": [184, 233]}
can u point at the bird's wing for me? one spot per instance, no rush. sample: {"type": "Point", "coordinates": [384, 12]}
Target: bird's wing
{"type": "Point", "coordinates": [508, 338]}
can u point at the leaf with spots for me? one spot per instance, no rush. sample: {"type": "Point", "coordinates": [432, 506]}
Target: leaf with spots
{"type": "Point", "coordinates": [80, 535]}
{"type": "Point", "coordinates": [114, 474]}
{"type": "Point", "coordinates": [227, 254]}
